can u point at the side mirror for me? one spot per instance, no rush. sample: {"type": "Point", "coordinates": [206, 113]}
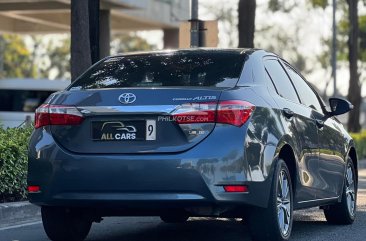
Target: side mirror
{"type": "Point", "coordinates": [339, 106]}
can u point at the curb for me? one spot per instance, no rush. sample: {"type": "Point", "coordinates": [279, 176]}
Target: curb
{"type": "Point", "coordinates": [17, 213]}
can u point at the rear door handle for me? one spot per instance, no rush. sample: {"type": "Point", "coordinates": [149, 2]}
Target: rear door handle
{"type": "Point", "coordinates": [319, 123]}
{"type": "Point", "coordinates": [288, 113]}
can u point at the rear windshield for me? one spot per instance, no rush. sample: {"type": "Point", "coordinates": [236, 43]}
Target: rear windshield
{"type": "Point", "coordinates": [183, 69]}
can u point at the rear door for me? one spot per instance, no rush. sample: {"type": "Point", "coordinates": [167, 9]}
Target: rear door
{"type": "Point", "coordinates": [329, 174]}
{"type": "Point", "coordinates": [300, 126]}
{"type": "Point", "coordinates": [332, 164]}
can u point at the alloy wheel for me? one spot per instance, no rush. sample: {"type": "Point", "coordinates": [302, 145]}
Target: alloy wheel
{"type": "Point", "coordinates": [284, 203]}
{"type": "Point", "coordinates": [350, 190]}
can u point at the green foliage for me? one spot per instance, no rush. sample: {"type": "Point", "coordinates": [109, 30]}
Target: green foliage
{"type": "Point", "coordinates": [362, 26]}
{"type": "Point", "coordinates": [59, 59]}
{"type": "Point", "coordinates": [286, 5]}
{"type": "Point", "coordinates": [13, 163]}
{"type": "Point", "coordinates": [123, 43]}
{"type": "Point", "coordinates": [343, 30]}
{"type": "Point", "coordinates": [15, 58]}
{"type": "Point", "coordinates": [274, 5]}
{"type": "Point", "coordinates": [56, 58]}
{"type": "Point", "coordinates": [227, 16]}
{"type": "Point", "coordinates": [360, 141]}
{"type": "Point", "coordinates": [319, 3]}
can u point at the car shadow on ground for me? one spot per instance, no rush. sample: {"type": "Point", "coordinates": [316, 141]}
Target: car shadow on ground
{"type": "Point", "coordinates": [195, 229]}
{"type": "Point", "coordinates": [310, 223]}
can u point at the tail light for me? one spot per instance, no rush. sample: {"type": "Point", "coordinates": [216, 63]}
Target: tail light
{"type": "Point", "coordinates": [57, 115]}
{"type": "Point", "coordinates": [233, 112]}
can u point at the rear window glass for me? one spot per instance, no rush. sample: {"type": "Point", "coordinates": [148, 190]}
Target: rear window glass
{"type": "Point", "coordinates": [182, 69]}
{"type": "Point", "coordinates": [22, 100]}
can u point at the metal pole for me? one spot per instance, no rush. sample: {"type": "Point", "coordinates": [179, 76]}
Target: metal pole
{"type": "Point", "coordinates": [194, 9]}
{"type": "Point", "coordinates": [334, 49]}
{"type": "Point", "coordinates": [195, 24]}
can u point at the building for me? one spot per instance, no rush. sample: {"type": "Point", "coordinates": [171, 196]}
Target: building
{"type": "Point", "coordinates": [53, 16]}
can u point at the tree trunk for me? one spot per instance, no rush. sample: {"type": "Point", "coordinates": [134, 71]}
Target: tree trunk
{"type": "Point", "coordinates": [354, 90]}
{"type": "Point", "coordinates": [80, 43]}
{"type": "Point", "coordinates": [94, 29]}
{"type": "Point", "coordinates": [105, 33]}
{"type": "Point", "coordinates": [246, 23]}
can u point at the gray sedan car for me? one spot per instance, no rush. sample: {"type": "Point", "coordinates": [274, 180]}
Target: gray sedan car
{"type": "Point", "coordinates": [187, 133]}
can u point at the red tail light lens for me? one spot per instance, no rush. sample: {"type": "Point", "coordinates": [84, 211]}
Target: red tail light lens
{"type": "Point", "coordinates": [233, 112]}
{"type": "Point", "coordinates": [236, 188]}
{"type": "Point", "coordinates": [33, 189]}
{"type": "Point", "coordinates": [57, 115]}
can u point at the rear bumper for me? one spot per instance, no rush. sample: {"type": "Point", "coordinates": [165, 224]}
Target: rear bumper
{"type": "Point", "coordinates": [143, 181]}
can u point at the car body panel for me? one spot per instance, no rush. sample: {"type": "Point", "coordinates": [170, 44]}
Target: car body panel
{"type": "Point", "coordinates": [332, 159]}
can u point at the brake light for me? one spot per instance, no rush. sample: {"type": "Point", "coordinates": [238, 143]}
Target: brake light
{"type": "Point", "coordinates": [233, 112]}
{"type": "Point", "coordinates": [236, 188]}
{"type": "Point", "coordinates": [57, 115]}
{"type": "Point", "coordinates": [34, 189]}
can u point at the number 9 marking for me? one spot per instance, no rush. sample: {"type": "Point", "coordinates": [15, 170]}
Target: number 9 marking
{"type": "Point", "coordinates": [150, 130]}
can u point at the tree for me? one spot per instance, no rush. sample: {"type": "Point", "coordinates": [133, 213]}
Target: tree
{"type": "Point", "coordinates": [352, 48]}
{"type": "Point", "coordinates": [354, 90]}
{"type": "Point", "coordinates": [16, 59]}
{"type": "Point", "coordinates": [58, 55]}
{"type": "Point", "coordinates": [125, 42]}
{"type": "Point", "coordinates": [246, 23]}
{"type": "Point", "coordinates": [227, 16]}
{"type": "Point", "coordinates": [347, 49]}
{"type": "Point", "coordinates": [80, 42]}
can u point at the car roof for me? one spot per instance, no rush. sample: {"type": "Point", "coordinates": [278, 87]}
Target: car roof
{"type": "Point", "coordinates": [191, 50]}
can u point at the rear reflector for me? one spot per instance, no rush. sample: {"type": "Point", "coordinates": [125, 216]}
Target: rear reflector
{"type": "Point", "coordinates": [33, 189]}
{"type": "Point", "coordinates": [236, 188]}
{"type": "Point", "coordinates": [233, 112]}
{"type": "Point", "coordinates": [57, 115]}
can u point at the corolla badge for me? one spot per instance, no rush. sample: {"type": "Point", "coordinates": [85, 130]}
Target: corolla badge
{"type": "Point", "coordinates": [127, 98]}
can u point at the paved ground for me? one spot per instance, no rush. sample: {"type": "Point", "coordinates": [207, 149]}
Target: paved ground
{"type": "Point", "coordinates": [309, 225]}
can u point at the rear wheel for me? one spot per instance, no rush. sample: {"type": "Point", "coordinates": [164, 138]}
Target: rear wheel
{"type": "Point", "coordinates": [275, 221]}
{"type": "Point", "coordinates": [62, 224]}
{"type": "Point", "coordinates": [345, 211]}
{"type": "Point", "coordinates": [174, 217]}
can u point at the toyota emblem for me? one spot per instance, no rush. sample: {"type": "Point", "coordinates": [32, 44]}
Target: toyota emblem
{"type": "Point", "coordinates": [127, 98]}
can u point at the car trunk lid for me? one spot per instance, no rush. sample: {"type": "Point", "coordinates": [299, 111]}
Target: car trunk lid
{"type": "Point", "coordinates": [155, 122]}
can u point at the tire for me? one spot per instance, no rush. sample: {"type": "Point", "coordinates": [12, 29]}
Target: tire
{"type": "Point", "coordinates": [344, 212]}
{"type": "Point", "coordinates": [62, 224]}
{"type": "Point", "coordinates": [272, 223]}
{"type": "Point", "coordinates": [174, 218]}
